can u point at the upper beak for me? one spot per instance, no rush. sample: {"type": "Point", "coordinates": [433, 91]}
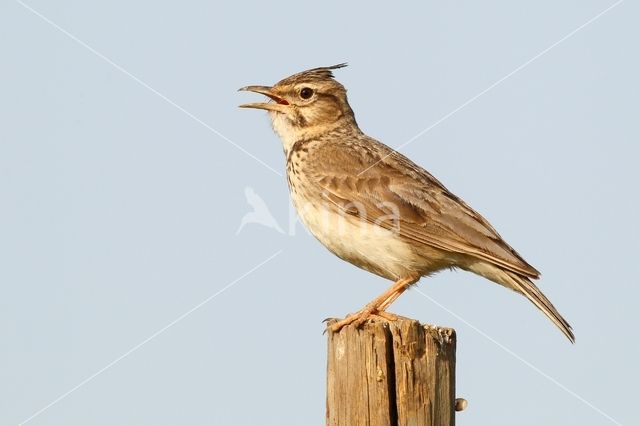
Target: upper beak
{"type": "Point", "coordinates": [280, 104]}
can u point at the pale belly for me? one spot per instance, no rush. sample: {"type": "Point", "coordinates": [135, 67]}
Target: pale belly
{"type": "Point", "coordinates": [365, 245]}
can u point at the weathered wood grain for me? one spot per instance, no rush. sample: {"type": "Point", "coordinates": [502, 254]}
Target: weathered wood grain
{"type": "Point", "coordinates": [400, 373]}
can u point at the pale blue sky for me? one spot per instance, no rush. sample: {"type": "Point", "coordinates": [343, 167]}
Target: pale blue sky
{"type": "Point", "coordinates": [121, 201]}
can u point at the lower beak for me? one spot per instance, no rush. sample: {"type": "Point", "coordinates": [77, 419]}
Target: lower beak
{"type": "Point", "coordinates": [279, 104]}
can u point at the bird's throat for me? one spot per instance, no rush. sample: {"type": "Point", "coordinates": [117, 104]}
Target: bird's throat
{"type": "Point", "coordinates": [290, 133]}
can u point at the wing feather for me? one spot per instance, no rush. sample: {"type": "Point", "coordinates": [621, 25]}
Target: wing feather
{"type": "Point", "coordinates": [396, 193]}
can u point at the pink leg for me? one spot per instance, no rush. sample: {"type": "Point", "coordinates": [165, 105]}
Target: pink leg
{"type": "Point", "coordinates": [378, 306]}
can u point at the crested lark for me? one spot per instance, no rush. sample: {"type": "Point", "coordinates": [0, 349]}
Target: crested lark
{"type": "Point", "coordinates": [375, 208]}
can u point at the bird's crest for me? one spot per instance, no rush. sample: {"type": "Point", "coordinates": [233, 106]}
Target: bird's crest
{"type": "Point", "coordinates": [314, 74]}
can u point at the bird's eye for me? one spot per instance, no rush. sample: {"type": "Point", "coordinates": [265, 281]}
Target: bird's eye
{"type": "Point", "coordinates": [306, 93]}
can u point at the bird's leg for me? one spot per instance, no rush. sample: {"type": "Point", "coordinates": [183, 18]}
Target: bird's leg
{"type": "Point", "coordinates": [382, 313]}
{"type": "Point", "coordinates": [378, 305]}
{"type": "Point", "coordinates": [385, 316]}
{"type": "Point", "coordinates": [392, 298]}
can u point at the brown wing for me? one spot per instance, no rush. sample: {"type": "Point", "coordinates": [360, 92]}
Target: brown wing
{"type": "Point", "coordinates": [391, 191]}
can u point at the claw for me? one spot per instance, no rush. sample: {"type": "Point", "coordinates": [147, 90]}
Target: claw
{"type": "Point", "coordinates": [360, 318]}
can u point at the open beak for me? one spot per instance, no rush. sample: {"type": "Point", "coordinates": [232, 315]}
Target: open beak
{"type": "Point", "coordinates": [279, 104]}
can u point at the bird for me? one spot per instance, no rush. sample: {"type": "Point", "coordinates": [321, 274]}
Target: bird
{"type": "Point", "coordinates": [375, 208]}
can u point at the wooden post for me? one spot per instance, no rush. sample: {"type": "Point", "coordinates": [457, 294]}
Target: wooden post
{"type": "Point", "coordinates": [400, 373]}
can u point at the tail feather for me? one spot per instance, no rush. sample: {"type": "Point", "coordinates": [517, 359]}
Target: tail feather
{"type": "Point", "coordinates": [524, 286]}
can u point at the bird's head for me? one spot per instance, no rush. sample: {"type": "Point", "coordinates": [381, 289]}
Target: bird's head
{"type": "Point", "coordinates": [310, 102]}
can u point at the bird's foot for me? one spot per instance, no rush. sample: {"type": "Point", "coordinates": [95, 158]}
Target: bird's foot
{"type": "Point", "coordinates": [362, 316]}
